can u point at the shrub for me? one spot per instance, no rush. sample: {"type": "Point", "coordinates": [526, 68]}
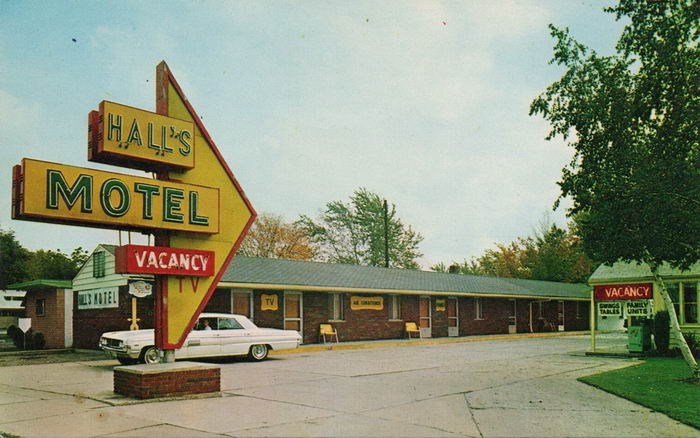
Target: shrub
{"type": "Point", "coordinates": [662, 335]}
{"type": "Point", "coordinates": [17, 337]}
{"type": "Point", "coordinates": [38, 341]}
{"type": "Point", "coordinates": [11, 331]}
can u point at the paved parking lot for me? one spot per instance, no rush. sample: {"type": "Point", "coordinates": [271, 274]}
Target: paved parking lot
{"type": "Point", "coordinates": [524, 387]}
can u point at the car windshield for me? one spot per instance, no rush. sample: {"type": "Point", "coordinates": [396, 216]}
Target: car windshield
{"type": "Point", "coordinates": [229, 324]}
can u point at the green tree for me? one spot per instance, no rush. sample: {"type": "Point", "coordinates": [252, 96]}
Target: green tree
{"type": "Point", "coordinates": [633, 120]}
{"type": "Point", "coordinates": [353, 233]}
{"type": "Point", "coordinates": [552, 254]}
{"type": "Point", "coordinates": [13, 258]}
{"type": "Point", "coordinates": [53, 265]}
{"type": "Point", "coordinates": [272, 237]}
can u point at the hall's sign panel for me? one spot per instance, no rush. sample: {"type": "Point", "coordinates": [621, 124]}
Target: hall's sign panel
{"type": "Point", "coordinates": [636, 291]}
{"type": "Point", "coordinates": [140, 259]}
{"type": "Point", "coordinates": [366, 303]}
{"type": "Point", "coordinates": [64, 194]}
{"type": "Point", "coordinates": [126, 136]}
{"type": "Point", "coordinates": [102, 298]}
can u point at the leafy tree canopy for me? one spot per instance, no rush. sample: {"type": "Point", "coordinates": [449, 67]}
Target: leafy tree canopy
{"type": "Point", "coordinates": [272, 237]}
{"type": "Point", "coordinates": [552, 254]}
{"type": "Point", "coordinates": [633, 121]}
{"type": "Point", "coordinates": [13, 259]}
{"type": "Point", "coordinates": [353, 233]}
{"type": "Point", "coordinates": [18, 264]}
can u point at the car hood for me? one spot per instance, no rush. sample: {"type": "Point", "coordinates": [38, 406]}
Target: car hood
{"type": "Point", "coordinates": [130, 335]}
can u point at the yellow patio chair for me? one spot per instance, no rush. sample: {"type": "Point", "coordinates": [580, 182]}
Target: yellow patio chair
{"type": "Point", "coordinates": [327, 329]}
{"type": "Point", "coordinates": [412, 328]}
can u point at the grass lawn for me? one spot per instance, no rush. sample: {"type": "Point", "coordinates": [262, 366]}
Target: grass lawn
{"type": "Point", "coordinates": [656, 383]}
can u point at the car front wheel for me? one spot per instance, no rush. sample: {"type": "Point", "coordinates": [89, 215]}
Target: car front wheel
{"type": "Point", "coordinates": [258, 352]}
{"type": "Point", "coordinates": [150, 355]}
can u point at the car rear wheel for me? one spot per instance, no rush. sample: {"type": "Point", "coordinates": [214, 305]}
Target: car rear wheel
{"type": "Point", "coordinates": [149, 355]}
{"type": "Point", "coordinates": [258, 352]}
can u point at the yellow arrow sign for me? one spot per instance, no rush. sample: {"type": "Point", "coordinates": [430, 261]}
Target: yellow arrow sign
{"type": "Point", "coordinates": [182, 300]}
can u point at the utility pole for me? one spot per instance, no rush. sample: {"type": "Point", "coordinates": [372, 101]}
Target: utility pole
{"type": "Point", "coordinates": [386, 235]}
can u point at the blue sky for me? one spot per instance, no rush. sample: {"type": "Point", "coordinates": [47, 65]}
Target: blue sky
{"type": "Point", "coordinates": [425, 103]}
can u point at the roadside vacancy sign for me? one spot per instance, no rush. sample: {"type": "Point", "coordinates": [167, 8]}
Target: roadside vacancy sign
{"type": "Point", "coordinates": [635, 291]}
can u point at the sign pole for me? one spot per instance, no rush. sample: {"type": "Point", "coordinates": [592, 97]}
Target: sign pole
{"type": "Point", "coordinates": [592, 322]}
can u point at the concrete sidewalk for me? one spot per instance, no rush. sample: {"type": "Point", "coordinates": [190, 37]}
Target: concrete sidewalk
{"type": "Point", "coordinates": [511, 387]}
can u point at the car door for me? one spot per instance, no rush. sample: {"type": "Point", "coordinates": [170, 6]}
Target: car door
{"type": "Point", "coordinates": [202, 342]}
{"type": "Point", "coordinates": [234, 339]}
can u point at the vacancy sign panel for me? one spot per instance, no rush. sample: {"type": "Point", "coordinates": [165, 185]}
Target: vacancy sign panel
{"type": "Point", "coordinates": [139, 259]}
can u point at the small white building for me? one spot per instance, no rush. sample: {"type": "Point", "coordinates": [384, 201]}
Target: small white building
{"type": "Point", "coordinates": [11, 307]}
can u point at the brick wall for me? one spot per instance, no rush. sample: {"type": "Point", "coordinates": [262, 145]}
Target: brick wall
{"type": "Point", "coordinates": [495, 312]}
{"type": "Point", "coordinates": [89, 324]}
{"type": "Point", "coordinates": [144, 385]}
{"type": "Point", "coordinates": [51, 325]}
{"type": "Point", "coordinates": [358, 324]}
{"type": "Point", "coordinates": [573, 323]}
{"type": "Point", "coordinates": [268, 318]}
{"type": "Point", "coordinates": [219, 302]}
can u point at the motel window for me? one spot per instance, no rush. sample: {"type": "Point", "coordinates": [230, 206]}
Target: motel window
{"type": "Point", "coordinates": [98, 264]}
{"type": "Point", "coordinates": [684, 296]}
{"type": "Point", "coordinates": [394, 307]}
{"type": "Point", "coordinates": [478, 308]}
{"type": "Point", "coordinates": [336, 309]}
{"type": "Point", "coordinates": [690, 303]}
{"type": "Point", "coordinates": [41, 307]}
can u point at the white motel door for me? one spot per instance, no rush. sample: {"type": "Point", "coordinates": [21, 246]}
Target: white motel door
{"type": "Point", "coordinates": [452, 317]}
{"type": "Point", "coordinates": [424, 313]}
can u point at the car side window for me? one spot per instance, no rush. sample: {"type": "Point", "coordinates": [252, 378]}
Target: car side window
{"type": "Point", "coordinates": [229, 324]}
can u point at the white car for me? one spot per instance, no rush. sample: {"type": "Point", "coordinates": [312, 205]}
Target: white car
{"type": "Point", "coordinates": [214, 334]}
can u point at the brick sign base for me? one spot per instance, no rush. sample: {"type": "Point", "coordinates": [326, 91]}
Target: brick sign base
{"type": "Point", "coordinates": [166, 380]}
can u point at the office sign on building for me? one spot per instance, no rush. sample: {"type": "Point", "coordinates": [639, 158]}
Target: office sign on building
{"type": "Point", "coordinates": [638, 308]}
{"type": "Point", "coordinates": [611, 308]}
{"type": "Point", "coordinates": [101, 298]}
{"type": "Point", "coordinates": [366, 303]}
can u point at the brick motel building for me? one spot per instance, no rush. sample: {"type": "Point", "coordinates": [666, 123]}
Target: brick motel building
{"type": "Point", "coordinates": [360, 302]}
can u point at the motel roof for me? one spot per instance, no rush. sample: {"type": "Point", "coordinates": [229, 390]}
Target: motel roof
{"type": "Point", "coordinates": [42, 284]}
{"type": "Point", "coordinates": [280, 274]}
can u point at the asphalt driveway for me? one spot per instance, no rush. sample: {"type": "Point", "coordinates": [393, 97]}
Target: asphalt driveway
{"type": "Point", "coordinates": [524, 387]}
